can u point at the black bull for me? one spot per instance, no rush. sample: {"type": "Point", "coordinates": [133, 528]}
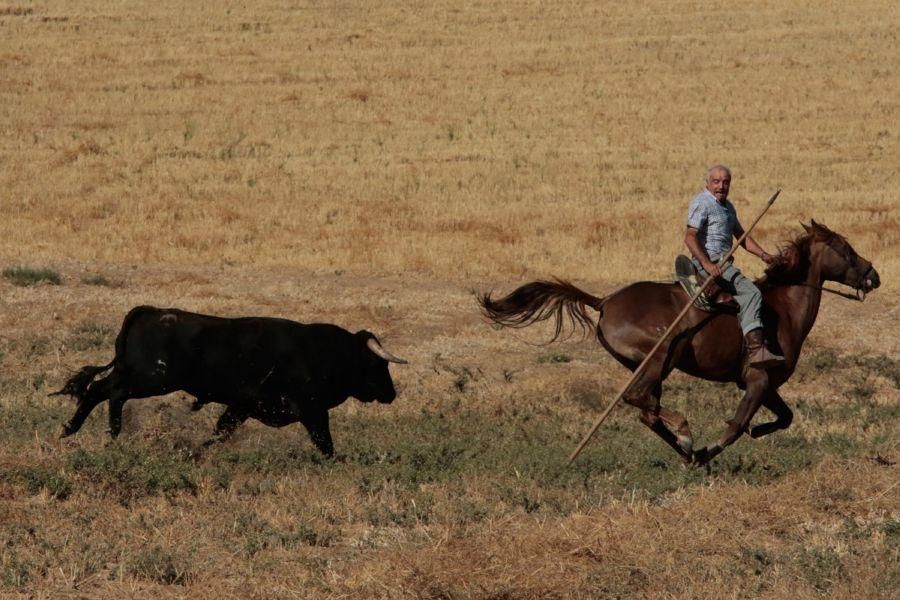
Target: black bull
{"type": "Point", "coordinates": [273, 370]}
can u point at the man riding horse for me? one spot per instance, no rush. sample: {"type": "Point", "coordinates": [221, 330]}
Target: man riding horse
{"type": "Point", "coordinates": [630, 321]}
{"type": "Point", "coordinates": [712, 226]}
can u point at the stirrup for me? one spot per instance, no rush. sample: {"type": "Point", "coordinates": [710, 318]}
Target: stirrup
{"type": "Point", "coordinates": [686, 275]}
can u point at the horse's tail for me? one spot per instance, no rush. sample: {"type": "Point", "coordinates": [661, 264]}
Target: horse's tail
{"type": "Point", "coordinates": [78, 383]}
{"type": "Point", "coordinates": [540, 300]}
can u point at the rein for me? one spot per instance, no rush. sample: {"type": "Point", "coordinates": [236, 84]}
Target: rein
{"type": "Point", "coordinates": [859, 296]}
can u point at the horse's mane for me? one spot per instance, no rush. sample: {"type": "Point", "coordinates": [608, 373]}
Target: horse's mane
{"type": "Point", "coordinates": [792, 261]}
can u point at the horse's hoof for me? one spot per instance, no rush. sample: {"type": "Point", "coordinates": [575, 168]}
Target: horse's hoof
{"type": "Point", "coordinates": [700, 458]}
{"type": "Point", "coordinates": [703, 456]}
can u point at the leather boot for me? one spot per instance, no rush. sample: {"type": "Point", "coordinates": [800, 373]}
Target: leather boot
{"type": "Point", "coordinates": [758, 356]}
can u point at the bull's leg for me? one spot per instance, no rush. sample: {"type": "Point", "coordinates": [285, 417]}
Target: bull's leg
{"type": "Point", "coordinates": [81, 413]}
{"type": "Point", "coordinates": [96, 393]}
{"type": "Point", "coordinates": [757, 384]}
{"type": "Point", "coordinates": [116, 402]}
{"type": "Point", "coordinates": [316, 424]}
{"type": "Point", "coordinates": [226, 425]}
{"type": "Point", "coordinates": [783, 415]}
{"type": "Point", "coordinates": [111, 387]}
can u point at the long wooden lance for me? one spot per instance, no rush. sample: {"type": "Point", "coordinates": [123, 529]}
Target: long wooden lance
{"type": "Point", "coordinates": [640, 369]}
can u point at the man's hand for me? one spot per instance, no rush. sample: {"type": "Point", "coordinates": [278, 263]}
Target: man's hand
{"type": "Point", "coordinates": [712, 268]}
{"type": "Point", "coordinates": [690, 240]}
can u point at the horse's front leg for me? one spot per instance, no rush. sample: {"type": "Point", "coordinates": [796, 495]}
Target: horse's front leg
{"type": "Point", "coordinates": [757, 388]}
{"type": "Point", "coordinates": [783, 415]}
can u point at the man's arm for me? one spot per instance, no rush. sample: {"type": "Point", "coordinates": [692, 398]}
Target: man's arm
{"type": "Point", "coordinates": [751, 246]}
{"type": "Point", "coordinates": [693, 244]}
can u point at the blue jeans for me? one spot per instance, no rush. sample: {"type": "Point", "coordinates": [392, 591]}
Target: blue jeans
{"type": "Point", "coordinates": [747, 295]}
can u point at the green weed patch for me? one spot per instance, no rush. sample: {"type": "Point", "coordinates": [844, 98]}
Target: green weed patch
{"type": "Point", "coordinates": [129, 472]}
{"type": "Point", "coordinates": [28, 276]}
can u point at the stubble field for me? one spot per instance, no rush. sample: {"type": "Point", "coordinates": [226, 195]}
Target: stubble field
{"type": "Point", "coordinates": [373, 165]}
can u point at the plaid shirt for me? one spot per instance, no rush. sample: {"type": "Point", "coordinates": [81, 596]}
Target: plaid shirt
{"type": "Point", "coordinates": [714, 223]}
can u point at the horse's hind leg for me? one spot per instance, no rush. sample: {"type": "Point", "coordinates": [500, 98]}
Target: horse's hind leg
{"type": "Point", "coordinates": [679, 424]}
{"type": "Point", "coordinates": [783, 415]}
{"type": "Point", "coordinates": [681, 443]}
{"type": "Point", "coordinates": [656, 418]}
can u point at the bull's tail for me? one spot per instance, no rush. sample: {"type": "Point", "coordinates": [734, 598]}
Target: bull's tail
{"type": "Point", "coordinates": [78, 383]}
{"type": "Point", "coordinates": [540, 300]}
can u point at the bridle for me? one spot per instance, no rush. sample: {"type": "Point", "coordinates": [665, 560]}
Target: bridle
{"type": "Point", "coordinates": [859, 290]}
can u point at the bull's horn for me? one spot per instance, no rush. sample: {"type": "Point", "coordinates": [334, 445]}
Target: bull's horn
{"type": "Point", "coordinates": [375, 347]}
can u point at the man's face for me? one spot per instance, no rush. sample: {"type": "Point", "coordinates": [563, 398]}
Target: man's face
{"type": "Point", "coordinates": [718, 183]}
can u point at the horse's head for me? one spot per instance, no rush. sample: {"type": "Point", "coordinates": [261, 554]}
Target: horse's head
{"type": "Point", "coordinates": [838, 261]}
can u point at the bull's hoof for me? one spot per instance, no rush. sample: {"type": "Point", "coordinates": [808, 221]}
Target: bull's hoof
{"type": "Point", "coordinates": [66, 431]}
{"type": "Point", "coordinates": [197, 454]}
{"type": "Point", "coordinates": [215, 439]}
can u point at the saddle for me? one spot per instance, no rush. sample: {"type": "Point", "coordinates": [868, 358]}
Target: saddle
{"type": "Point", "coordinates": [713, 298]}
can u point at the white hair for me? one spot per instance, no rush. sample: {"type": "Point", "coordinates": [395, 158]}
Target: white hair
{"type": "Point", "coordinates": [713, 168]}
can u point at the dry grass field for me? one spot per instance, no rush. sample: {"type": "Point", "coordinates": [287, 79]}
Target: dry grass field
{"type": "Point", "coordinates": [371, 164]}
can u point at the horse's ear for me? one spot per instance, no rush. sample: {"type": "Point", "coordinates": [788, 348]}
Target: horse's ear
{"type": "Point", "coordinates": [814, 227]}
{"type": "Point", "coordinates": [820, 229]}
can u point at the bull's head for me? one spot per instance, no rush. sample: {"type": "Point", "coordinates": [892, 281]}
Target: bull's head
{"type": "Point", "coordinates": [375, 378]}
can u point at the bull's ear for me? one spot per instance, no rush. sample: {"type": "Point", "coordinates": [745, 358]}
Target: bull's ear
{"type": "Point", "coordinates": [806, 227]}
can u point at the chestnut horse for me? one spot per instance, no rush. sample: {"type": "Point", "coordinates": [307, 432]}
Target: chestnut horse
{"type": "Point", "coordinates": [706, 345]}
